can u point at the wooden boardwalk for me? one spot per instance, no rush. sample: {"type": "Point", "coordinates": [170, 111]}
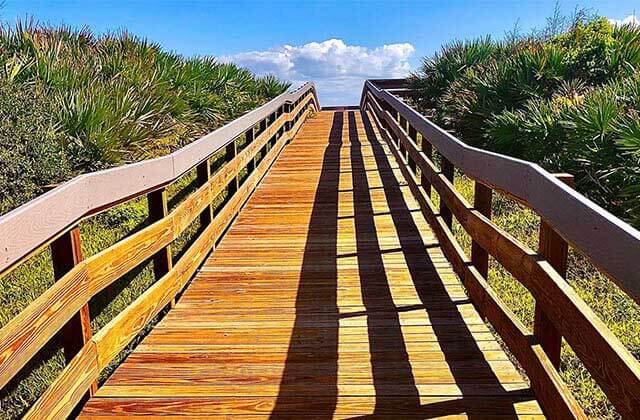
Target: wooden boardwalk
{"type": "Point", "coordinates": [328, 297]}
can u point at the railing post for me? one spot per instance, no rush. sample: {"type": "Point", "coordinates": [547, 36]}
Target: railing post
{"type": "Point", "coordinates": [482, 197]}
{"type": "Point", "coordinates": [402, 121]}
{"type": "Point", "coordinates": [555, 250]}
{"type": "Point", "coordinates": [204, 173]}
{"type": "Point", "coordinates": [249, 136]}
{"type": "Point", "coordinates": [427, 149]}
{"type": "Point", "coordinates": [287, 123]}
{"type": "Point", "coordinates": [158, 205]}
{"type": "Point", "coordinates": [230, 153]}
{"type": "Point", "coordinates": [66, 253]}
{"type": "Point", "coordinates": [413, 134]}
{"type": "Point", "coordinates": [447, 170]}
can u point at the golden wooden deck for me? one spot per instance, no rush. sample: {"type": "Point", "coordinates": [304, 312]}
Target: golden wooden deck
{"type": "Point", "coordinates": [328, 297]}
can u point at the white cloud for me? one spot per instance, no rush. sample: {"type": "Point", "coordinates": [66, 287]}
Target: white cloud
{"type": "Point", "coordinates": [338, 69]}
{"type": "Point", "coordinates": [629, 20]}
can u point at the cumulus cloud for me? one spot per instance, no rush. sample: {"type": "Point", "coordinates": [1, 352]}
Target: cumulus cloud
{"type": "Point", "coordinates": [337, 68]}
{"type": "Point", "coordinates": [629, 20]}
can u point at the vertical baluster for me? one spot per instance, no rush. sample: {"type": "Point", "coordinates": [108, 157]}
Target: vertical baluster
{"type": "Point", "coordinates": [230, 153]}
{"type": "Point", "coordinates": [66, 253]}
{"type": "Point", "coordinates": [402, 121]}
{"type": "Point", "coordinates": [482, 197]}
{"type": "Point", "coordinates": [447, 170]}
{"type": "Point", "coordinates": [249, 136]}
{"type": "Point", "coordinates": [263, 126]}
{"type": "Point", "coordinates": [204, 173]}
{"type": "Point", "coordinates": [158, 205]}
{"type": "Point", "coordinates": [427, 149]}
{"type": "Point", "coordinates": [555, 250]}
{"type": "Point", "coordinates": [414, 136]}
{"type": "Point", "coordinates": [287, 123]}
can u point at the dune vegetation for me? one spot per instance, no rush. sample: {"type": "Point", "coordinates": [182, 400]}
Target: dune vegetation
{"type": "Point", "coordinates": [72, 102]}
{"type": "Point", "coordinates": [99, 101]}
{"type": "Point", "coordinates": [567, 98]}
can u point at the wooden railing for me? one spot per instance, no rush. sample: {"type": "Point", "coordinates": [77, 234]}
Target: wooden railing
{"type": "Point", "coordinates": [52, 220]}
{"type": "Point", "coordinates": [567, 219]}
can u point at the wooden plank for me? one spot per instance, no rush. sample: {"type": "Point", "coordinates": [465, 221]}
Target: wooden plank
{"type": "Point", "coordinates": [163, 259]}
{"type": "Point", "coordinates": [482, 197]}
{"type": "Point", "coordinates": [106, 266]}
{"type": "Point", "coordinates": [610, 243]}
{"type": "Point", "coordinates": [446, 167]}
{"type": "Point", "coordinates": [66, 253]}
{"type": "Point", "coordinates": [62, 396]}
{"type": "Point", "coordinates": [203, 175]}
{"type": "Point", "coordinates": [328, 294]}
{"type": "Point", "coordinates": [352, 405]}
{"type": "Point", "coordinates": [546, 382]}
{"type": "Point", "coordinates": [114, 337]}
{"type": "Point", "coordinates": [23, 336]}
{"type": "Point", "coordinates": [159, 209]}
{"type": "Point", "coordinates": [555, 250]}
{"type": "Point", "coordinates": [39, 221]}
{"type": "Point", "coordinates": [597, 347]}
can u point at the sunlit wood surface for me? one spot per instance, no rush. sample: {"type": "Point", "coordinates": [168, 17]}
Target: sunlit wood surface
{"type": "Point", "coordinates": [328, 297]}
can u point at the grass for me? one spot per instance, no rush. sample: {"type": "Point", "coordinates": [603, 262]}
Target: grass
{"type": "Point", "coordinates": [620, 313]}
{"type": "Point", "coordinates": [72, 101]}
{"type": "Point", "coordinates": [32, 278]}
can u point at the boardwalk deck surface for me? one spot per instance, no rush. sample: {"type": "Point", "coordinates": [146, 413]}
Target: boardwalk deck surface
{"type": "Point", "coordinates": [328, 297]}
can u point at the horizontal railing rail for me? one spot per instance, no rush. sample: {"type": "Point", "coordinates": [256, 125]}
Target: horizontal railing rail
{"type": "Point", "coordinates": [25, 229]}
{"type": "Point", "coordinates": [63, 308]}
{"type": "Point", "coordinates": [567, 218]}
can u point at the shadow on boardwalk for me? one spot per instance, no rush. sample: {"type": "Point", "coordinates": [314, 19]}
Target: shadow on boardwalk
{"type": "Point", "coordinates": [317, 295]}
{"type": "Point", "coordinates": [310, 378]}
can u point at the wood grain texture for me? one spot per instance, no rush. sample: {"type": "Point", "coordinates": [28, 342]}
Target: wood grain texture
{"type": "Point", "coordinates": [555, 250]}
{"type": "Point", "coordinates": [610, 243]}
{"type": "Point", "coordinates": [63, 394]}
{"type": "Point", "coordinates": [329, 296]}
{"type": "Point", "coordinates": [125, 326]}
{"type": "Point", "coordinates": [553, 395]}
{"type": "Point", "coordinates": [24, 335]}
{"type": "Point", "coordinates": [614, 368]}
{"type": "Point", "coordinates": [39, 221]}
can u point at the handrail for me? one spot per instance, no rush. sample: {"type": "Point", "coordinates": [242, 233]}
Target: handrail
{"type": "Point", "coordinates": [34, 224]}
{"type": "Point", "coordinates": [611, 244]}
{"type": "Point", "coordinates": [560, 312]}
{"type": "Point", "coordinates": [64, 306]}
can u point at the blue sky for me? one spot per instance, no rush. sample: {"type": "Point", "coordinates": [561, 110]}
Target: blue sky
{"type": "Point", "coordinates": [335, 43]}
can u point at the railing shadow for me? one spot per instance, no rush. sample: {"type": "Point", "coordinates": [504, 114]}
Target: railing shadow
{"type": "Point", "coordinates": [316, 380]}
{"type": "Point", "coordinates": [472, 369]}
{"type": "Point", "coordinates": [392, 374]}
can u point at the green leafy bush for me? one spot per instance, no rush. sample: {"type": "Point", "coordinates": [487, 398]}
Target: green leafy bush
{"type": "Point", "coordinates": [567, 98]}
{"type": "Point", "coordinates": [569, 101]}
{"type": "Point", "coordinates": [117, 98]}
{"type": "Point", "coordinates": [72, 102]}
{"type": "Point", "coordinates": [31, 155]}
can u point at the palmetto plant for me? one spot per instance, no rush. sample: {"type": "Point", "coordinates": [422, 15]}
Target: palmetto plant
{"type": "Point", "coordinates": [119, 98]}
{"type": "Point", "coordinates": [569, 102]}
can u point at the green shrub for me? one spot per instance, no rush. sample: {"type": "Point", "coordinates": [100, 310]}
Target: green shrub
{"type": "Point", "coordinates": [31, 155]}
{"type": "Point", "coordinates": [117, 98]}
{"type": "Point", "coordinates": [72, 102]}
{"type": "Point", "coordinates": [568, 101]}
